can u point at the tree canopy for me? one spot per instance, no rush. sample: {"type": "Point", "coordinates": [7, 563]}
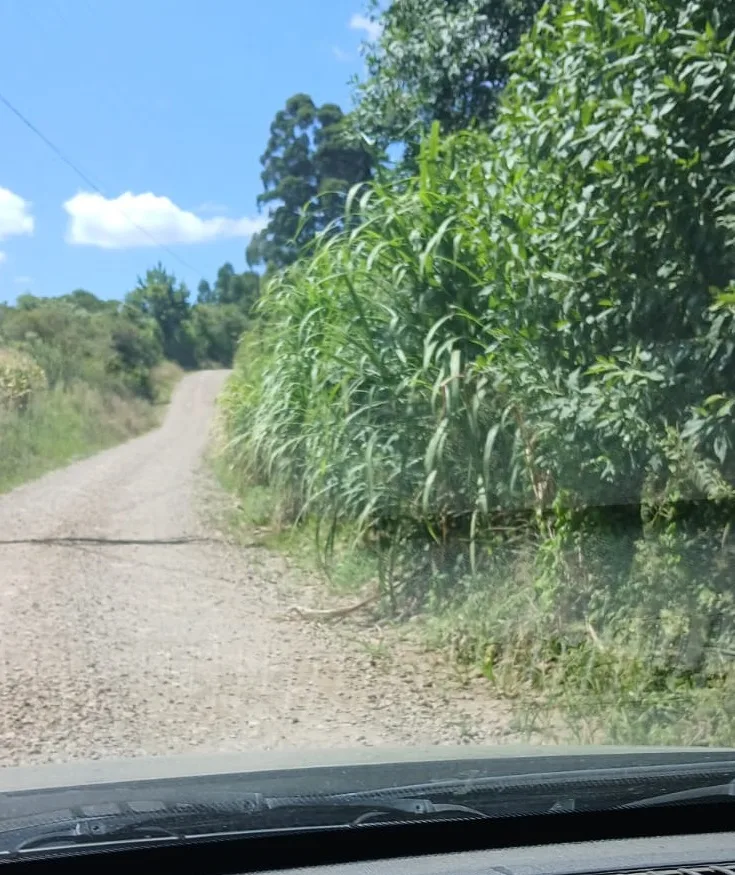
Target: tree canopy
{"type": "Point", "coordinates": [160, 296]}
{"type": "Point", "coordinates": [308, 167]}
{"type": "Point", "coordinates": [231, 288]}
{"type": "Point", "coordinates": [438, 60]}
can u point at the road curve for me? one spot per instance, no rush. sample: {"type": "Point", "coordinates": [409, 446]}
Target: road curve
{"type": "Point", "coordinates": [128, 626]}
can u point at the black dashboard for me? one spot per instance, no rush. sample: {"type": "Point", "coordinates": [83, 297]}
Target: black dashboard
{"type": "Point", "coordinates": [710, 854]}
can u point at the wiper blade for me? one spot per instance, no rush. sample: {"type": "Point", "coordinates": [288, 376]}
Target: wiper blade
{"type": "Point", "coordinates": [189, 822]}
{"type": "Point", "coordinates": [82, 832]}
{"type": "Point", "coordinates": [693, 794]}
{"type": "Point", "coordinates": [231, 813]}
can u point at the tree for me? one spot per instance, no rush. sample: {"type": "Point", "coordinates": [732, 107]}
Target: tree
{"type": "Point", "coordinates": [241, 289]}
{"type": "Point", "coordinates": [88, 301]}
{"type": "Point", "coordinates": [233, 288]}
{"type": "Point", "coordinates": [438, 60]}
{"type": "Point", "coordinates": [137, 347]}
{"type": "Point", "coordinates": [217, 329]}
{"type": "Point", "coordinates": [309, 165]}
{"type": "Point", "coordinates": [225, 277]}
{"type": "Point", "coordinates": [205, 295]}
{"type": "Point", "coordinates": [167, 302]}
{"type": "Point", "coordinates": [244, 290]}
{"type": "Point", "coordinates": [27, 301]}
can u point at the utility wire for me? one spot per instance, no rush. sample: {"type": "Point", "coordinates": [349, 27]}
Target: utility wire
{"type": "Point", "coordinates": [83, 176]}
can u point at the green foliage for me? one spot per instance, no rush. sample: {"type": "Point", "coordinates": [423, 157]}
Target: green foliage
{"type": "Point", "coordinates": [205, 334]}
{"type": "Point", "coordinates": [438, 60]}
{"type": "Point", "coordinates": [21, 379]}
{"type": "Point", "coordinates": [217, 329]}
{"type": "Point", "coordinates": [117, 347]}
{"type": "Point", "coordinates": [76, 375]}
{"type": "Point", "coordinates": [88, 301]}
{"type": "Point", "coordinates": [231, 288]}
{"type": "Point", "coordinates": [137, 349]}
{"type": "Point", "coordinates": [308, 166]}
{"type": "Point", "coordinates": [160, 297]}
{"type": "Point", "coordinates": [513, 372]}
{"type": "Point", "coordinates": [93, 343]}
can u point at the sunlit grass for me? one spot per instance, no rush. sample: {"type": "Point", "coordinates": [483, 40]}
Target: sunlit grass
{"type": "Point", "coordinates": [63, 425]}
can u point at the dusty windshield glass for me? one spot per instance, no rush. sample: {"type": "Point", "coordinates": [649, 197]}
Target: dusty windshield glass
{"type": "Point", "coordinates": [366, 377]}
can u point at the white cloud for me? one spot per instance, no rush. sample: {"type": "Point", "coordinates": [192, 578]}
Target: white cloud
{"type": "Point", "coordinates": [340, 54]}
{"type": "Point", "coordinates": [23, 280]}
{"type": "Point", "coordinates": [132, 220]}
{"type": "Point", "coordinates": [361, 22]}
{"type": "Point", "coordinates": [15, 215]}
{"type": "Point", "coordinates": [3, 256]}
{"type": "Point", "coordinates": [211, 207]}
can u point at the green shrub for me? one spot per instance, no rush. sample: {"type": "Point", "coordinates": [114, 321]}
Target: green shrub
{"type": "Point", "coordinates": [21, 379]}
{"type": "Point", "coordinates": [164, 378]}
{"type": "Point", "coordinates": [76, 375]}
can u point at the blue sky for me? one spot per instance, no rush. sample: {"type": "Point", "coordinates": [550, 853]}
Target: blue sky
{"type": "Point", "coordinates": [165, 105]}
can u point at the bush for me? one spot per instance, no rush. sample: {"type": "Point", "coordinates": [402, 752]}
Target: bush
{"type": "Point", "coordinates": [105, 347]}
{"type": "Point", "coordinates": [217, 329]}
{"type": "Point", "coordinates": [76, 375]}
{"type": "Point", "coordinates": [21, 379]}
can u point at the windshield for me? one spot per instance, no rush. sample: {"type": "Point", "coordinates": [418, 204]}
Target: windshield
{"type": "Point", "coordinates": [366, 378]}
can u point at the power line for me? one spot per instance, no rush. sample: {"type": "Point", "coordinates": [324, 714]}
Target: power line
{"type": "Point", "coordinates": [87, 181]}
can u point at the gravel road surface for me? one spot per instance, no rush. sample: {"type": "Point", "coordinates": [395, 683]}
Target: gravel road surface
{"type": "Point", "coordinates": [130, 626]}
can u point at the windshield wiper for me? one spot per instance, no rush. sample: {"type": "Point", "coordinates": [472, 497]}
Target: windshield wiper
{"type": "Point", "coordinates": [196, 821]}
{"type": "Point", "coordinates": [194, 815]}
{"type": "Point", "coordinates": [82, 832]}
{"type": "Point", "coordinates": [693, 794]}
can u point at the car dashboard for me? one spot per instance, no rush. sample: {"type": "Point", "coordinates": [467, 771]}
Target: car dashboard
{"type": "Point", "coordinates": [710, 854]}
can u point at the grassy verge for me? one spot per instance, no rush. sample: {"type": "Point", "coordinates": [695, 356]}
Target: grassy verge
{"type": "Point", "coordinates": [63, 425]}
{"type": "Point", "coordinates": [632, 682]}
{"type": "Point", "coordinates": [636, 679]}
{"type": "Point", "coordinates": [257, 512]}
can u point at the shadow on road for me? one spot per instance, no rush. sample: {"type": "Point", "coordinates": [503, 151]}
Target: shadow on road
{"type": "Point", "coordinates": [91, 547]}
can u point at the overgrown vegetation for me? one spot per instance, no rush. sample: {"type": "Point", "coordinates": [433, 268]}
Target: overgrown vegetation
{"type": "Point", "coordinates": [437, 61]}
{"type": "Point", "coordinates": [509, 377]}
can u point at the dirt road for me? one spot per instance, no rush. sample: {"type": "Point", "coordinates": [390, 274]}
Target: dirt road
{"type": "Point", "coordinates": [130, 626]}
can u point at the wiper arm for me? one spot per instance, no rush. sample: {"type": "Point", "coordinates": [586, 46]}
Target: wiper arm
{"type": "Point", "coordinates": [692, 794]}
{"type": "Point", "coordinates": [175, 824]}
{"type": "Point", "coordinates": [79, 833]}
{"type": "Point", "coordinates": [389, 805]}
{"type": "Point", "coordinates": [234, 813]}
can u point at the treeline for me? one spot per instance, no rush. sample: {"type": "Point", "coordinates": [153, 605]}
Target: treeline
{"type": "Point", "coordinates": [116, 344]}
{"type": "Point", "coordinates": [509, 361]}
{"type": "Point", "coordinates": [196, 335]}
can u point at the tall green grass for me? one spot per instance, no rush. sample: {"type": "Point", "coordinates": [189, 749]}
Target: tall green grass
{"type": "Point", "coordinates": [353, 393]}
{"type": "Point", "coordinates": [509, 379]}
